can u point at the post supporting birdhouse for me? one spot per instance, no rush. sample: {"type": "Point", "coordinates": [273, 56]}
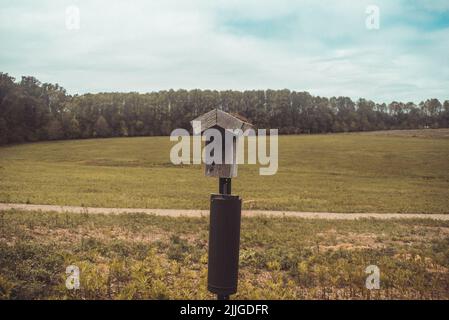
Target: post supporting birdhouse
{"type": "Point", "coordinates": [225, 208]}
{"type": "Point", "coordinates": [224, 186]}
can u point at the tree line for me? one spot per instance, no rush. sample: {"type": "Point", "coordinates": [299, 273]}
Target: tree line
{"type": "Point", "coordinates": [35, 111]}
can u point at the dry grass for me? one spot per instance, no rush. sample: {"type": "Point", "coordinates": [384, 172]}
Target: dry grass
{"type": "Point", "coordinates": [138, 256]}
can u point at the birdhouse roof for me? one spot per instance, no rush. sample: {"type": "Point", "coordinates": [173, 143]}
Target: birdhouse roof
{"type": "Point", "coordinates": [221, 119]}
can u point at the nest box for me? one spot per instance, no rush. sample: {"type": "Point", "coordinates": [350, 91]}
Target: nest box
{"type": "Point", "coordinates": [224, 123]}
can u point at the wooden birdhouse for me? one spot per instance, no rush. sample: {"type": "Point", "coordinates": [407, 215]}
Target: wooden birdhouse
{"type": "Point", "coordinates": [224, 123]}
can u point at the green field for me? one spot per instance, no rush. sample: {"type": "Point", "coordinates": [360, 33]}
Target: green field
{"type": "Point", "coordinates": [335, 172]}
{"type": "Point", "coordinates": [138, 256]}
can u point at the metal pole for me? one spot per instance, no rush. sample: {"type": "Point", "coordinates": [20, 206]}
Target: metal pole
{"type": "Point", "coordinates": [224, 186]}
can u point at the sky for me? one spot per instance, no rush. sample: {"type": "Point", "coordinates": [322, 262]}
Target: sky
{"type": "Point", "coordinates": [323, 47]}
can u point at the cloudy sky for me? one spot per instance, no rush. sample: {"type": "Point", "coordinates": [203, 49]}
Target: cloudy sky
{"type": "Point", "coordinates": [323, 47]}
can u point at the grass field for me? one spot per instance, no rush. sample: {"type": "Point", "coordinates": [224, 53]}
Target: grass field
{"type": "Point", "coordinates": [141, 256]}
{"type": "Point", "coordinates": [138, 256]}
{"type": "Point", "coordinates": [371, 172]}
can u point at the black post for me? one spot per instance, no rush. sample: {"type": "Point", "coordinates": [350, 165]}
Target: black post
{"type": "Point", "coordinates": [224, 187]}
{"type": "Point", "coordinates": [224, 241]}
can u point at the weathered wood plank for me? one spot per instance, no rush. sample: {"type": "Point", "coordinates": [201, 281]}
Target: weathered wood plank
{"type": "Point", "coordinates": [221, 119]}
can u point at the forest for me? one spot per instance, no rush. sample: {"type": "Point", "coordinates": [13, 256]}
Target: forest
{"type": "Point", "coordinates": [34, 111]}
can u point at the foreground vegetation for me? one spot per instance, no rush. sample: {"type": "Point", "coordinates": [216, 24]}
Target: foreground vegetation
{"type": "Point", "coordinates": [137, 256]}
{"type": "Point", "coordinates": [337, 173]}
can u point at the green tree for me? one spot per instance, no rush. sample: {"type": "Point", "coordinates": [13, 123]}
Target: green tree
{"type": "Point", "coordinates": [73, 129]}
{"type": "Point", "coordinates": [101, 128]}
{"type": "Point", "coordinates": [123, 129]}
{"type": "Point", "coordinates": [3, 131]}
{"type": "Point", "coordinates": [31, 111]}
{"type": "Point", "coordinates": [55, 130]}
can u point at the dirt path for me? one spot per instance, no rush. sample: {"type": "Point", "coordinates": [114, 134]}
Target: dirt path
{"type": "Point", "coordinates": [200, 213]}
